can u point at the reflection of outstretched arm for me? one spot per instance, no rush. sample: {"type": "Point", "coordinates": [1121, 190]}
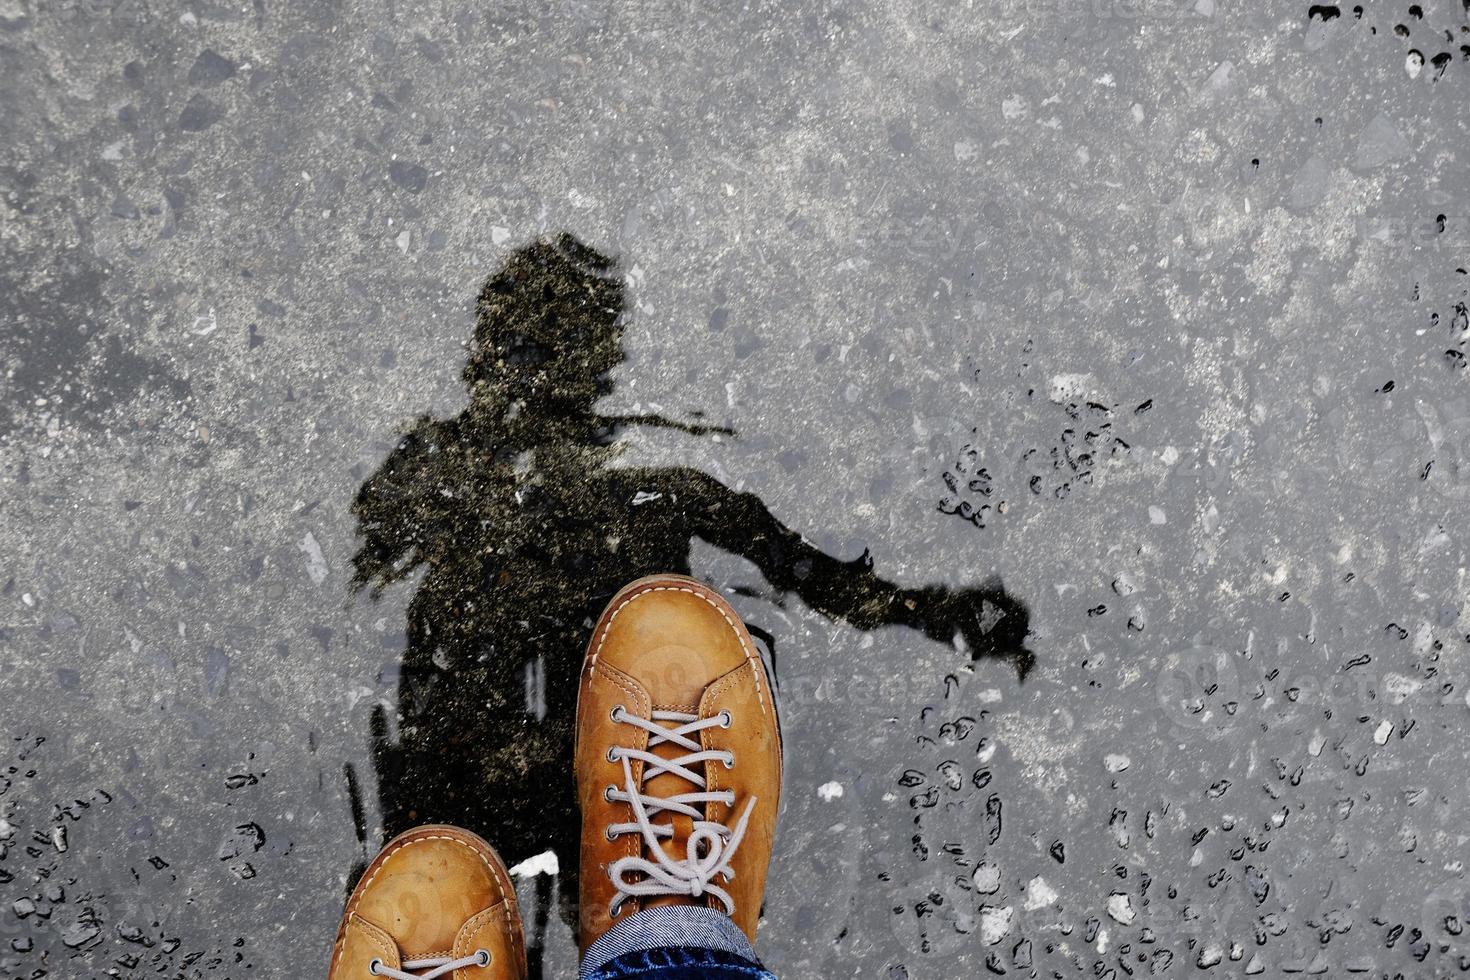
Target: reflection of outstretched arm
{"type": "Point", "coordinates": [989, 621]}
{"type": "Point", "coordinates": [660, 422]}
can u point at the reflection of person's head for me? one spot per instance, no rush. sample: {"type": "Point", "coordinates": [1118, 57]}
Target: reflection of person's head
{"type": "Point", "coordinates": [549, 330]}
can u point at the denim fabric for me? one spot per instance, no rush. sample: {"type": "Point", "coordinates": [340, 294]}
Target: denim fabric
{"type": "Point", "coordinates": [680, 963]}
{"type": "Point", "coordinates": [679, 942]}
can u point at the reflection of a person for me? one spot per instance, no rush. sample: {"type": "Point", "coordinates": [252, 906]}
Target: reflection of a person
{"type": "Point", "coordinates": [524, 531]}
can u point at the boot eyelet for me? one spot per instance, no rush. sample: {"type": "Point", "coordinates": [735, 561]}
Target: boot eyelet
{"type": "Point", "coordinates": [729, 760]}
{"type": "Point", "coordinates": [726, 719]}
{"type": "Point", "coordinates": [373, 967]}
{"type": "Point", "coordinates": [617, 711]}
{"type": "Point", "coordinates": [608, 833]}
{"type": "Point", "coordinates": [607, 794]}
{"type": "Point", "coordinates": [612, 754]}
{"type": "Point", "coordinates": [482, 957]}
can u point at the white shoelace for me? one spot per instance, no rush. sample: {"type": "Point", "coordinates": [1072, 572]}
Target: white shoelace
{"type": "Point", "coordinates": [437, 967]}
{"type": "Point", "coordinates": [711, 844]}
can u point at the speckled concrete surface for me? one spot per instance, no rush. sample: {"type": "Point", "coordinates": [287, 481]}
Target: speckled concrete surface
{"type": "Point", "coordinates": [1154, 313]}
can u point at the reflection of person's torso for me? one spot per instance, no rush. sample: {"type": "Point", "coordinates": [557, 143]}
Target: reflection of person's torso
{"type": "Point", "coordinates": [559, 532]}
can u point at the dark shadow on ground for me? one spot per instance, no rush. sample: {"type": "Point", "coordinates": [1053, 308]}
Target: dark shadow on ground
{"type": "Point", "coordinates": [523, 531]}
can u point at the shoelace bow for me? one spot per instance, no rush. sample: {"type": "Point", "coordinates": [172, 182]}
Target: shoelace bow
{"type": "Point", "coordinates": [437, 966]}
{"type": "Point", "coordinates": [711, 844]}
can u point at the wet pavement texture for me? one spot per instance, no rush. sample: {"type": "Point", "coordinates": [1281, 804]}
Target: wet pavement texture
{"type": "Point", "coordinates": [1072, 398]}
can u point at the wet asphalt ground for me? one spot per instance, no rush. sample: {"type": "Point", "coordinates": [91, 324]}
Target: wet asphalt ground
{"type": "Point", "coordinates": [1126, 338]}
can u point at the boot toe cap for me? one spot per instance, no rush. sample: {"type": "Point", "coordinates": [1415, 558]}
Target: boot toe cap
{"type": "Point", "coordinates": [675, 637]}
{"type": "Point", "coordinates": [430, 883]}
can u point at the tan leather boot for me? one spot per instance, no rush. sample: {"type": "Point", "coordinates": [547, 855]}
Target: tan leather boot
{"type": "Point", "coordinates": [678, 758]}
{"type": "Point", "coordinates": [436, 902]}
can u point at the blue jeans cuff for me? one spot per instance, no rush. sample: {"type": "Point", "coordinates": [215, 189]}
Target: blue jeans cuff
{"type": "Point", "coordinates": [674, 927]}
{"type": "Point", "coordinates": [681, 963]}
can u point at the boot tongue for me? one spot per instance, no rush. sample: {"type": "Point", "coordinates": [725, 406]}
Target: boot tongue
{"type": "Point", "coordinates": [667, 784]}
